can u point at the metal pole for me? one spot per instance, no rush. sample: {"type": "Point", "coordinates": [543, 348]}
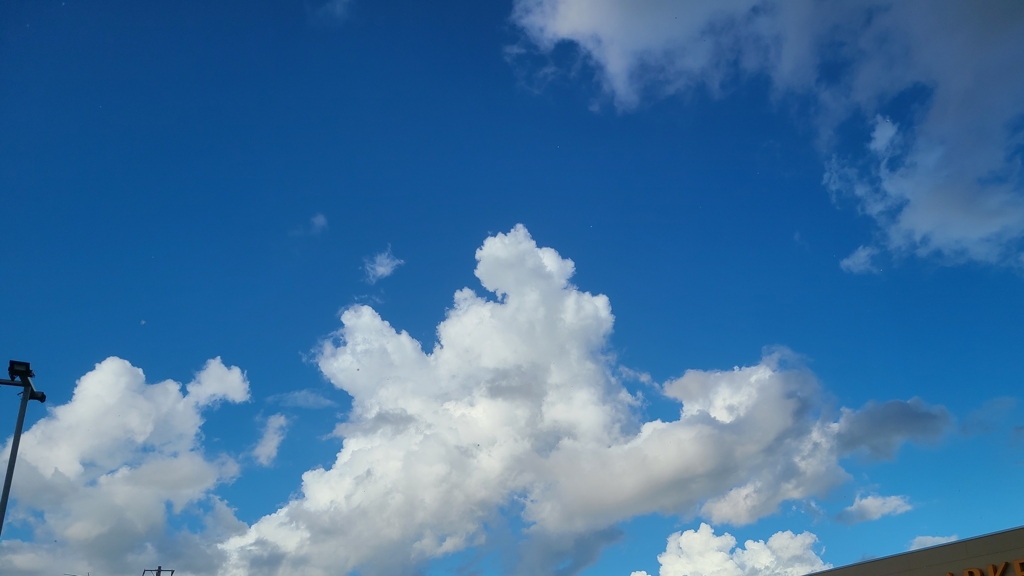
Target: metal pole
{"type": "Point", "coordinates": [25, 393]}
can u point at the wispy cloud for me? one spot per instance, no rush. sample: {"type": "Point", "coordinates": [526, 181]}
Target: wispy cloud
{"type": "Point", "coordinates": [273, 434]}
{"type": "Point", "coordinates": [338, 8]}
{"type": "Point", "coordinates": [305, 398]}
{"type": "Point", "coordinates": [380, 266]}
{"type": "Point", "coordinates": [868, 508]}
{"type": "Point", "coordinates": [860, 261]}
{"type": "Point", "coordinates": [926, 541]}
{"type": "Point", "coordinates": [332, 11]}
{"type": "Point", "coordinates": [989, 417]}
{"type": "Point", "coordinates": [943, 179]}
{"type": "Point", "coordinates": [317, 224]}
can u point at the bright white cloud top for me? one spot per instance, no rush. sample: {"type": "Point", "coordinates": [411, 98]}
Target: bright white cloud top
{"type": "Point", "coordinates": [517, 404]}
{"type": "Point", "coordinates": [943, 181]}
{"type": "Point", "coordinates": [97, 476]}
{"type": "Point", "coordinates": [701, 553]}
{"type": "Point", "coordinates": [516, 409]}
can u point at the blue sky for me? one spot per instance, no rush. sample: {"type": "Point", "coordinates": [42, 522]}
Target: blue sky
{"type": "Point", "coordinates": [829, 200]}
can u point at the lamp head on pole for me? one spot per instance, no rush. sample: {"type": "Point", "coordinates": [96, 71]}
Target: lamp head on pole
{"type": "Point", "coordinates": [18, 369]}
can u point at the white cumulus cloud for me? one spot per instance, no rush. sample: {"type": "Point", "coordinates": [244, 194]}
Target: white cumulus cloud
{"type": "Point", "coordinates": [518, 407]}
{"type": "Point", "coordinates": [943, 179]}
{"type": "Point", "coordinates": [381, 266]}
{"type": "Point", "coordinates": [273, 434]}
{"type": "Point", "coordinates": [701, 553]}
{"type": "Point", "coordinates": [868, 508]}
{"type": "Point", "coordinates": [98, 476]}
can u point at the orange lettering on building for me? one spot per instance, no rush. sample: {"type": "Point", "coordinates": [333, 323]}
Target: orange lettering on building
{"type": "Point", "coordinates": [993, 571]}
{"type": "Point", "coordinates": [973, 572]}
{"type": "Point", "coordinates": [1018, 567]}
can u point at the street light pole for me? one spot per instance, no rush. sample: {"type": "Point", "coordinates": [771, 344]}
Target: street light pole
{"type": "Point", "coordinates": [23, 372]}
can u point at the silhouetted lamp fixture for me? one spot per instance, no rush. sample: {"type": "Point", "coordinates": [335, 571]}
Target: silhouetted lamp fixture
{"type": "Point", "coordinates": [17, 369]}
{"type": "Point", "coordinates": [20, 375]}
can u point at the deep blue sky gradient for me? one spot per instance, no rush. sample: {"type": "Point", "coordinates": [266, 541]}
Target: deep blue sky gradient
{"type": "Point", "coordinates": [160, 162]}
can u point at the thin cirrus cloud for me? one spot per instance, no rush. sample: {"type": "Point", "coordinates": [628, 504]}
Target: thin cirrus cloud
{"type": "Point", "coordinates": [868, 508]}
{"type": "Point", "coordinates": [701, 553]}
{"type": "Point", "coordinates": [942, 180]}
{"type": "Point", "coordinates": [380, 266]}
{"type": "Point", "coordinates": [876, 430]}
{"type": "Point", "coordinates": [305, 398]}
{"type": "Point", "coordinates": [518, 409]}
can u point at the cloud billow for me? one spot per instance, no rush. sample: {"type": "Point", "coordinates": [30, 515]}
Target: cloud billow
{"type": "Point", "coordinates": [701, 553]}
{"type": "Point", "coordinates": [98, 475]}
{"type": "Point", "coordinates": [516, 414]}
{"type": "Point", "coordinates": [518, 407]}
